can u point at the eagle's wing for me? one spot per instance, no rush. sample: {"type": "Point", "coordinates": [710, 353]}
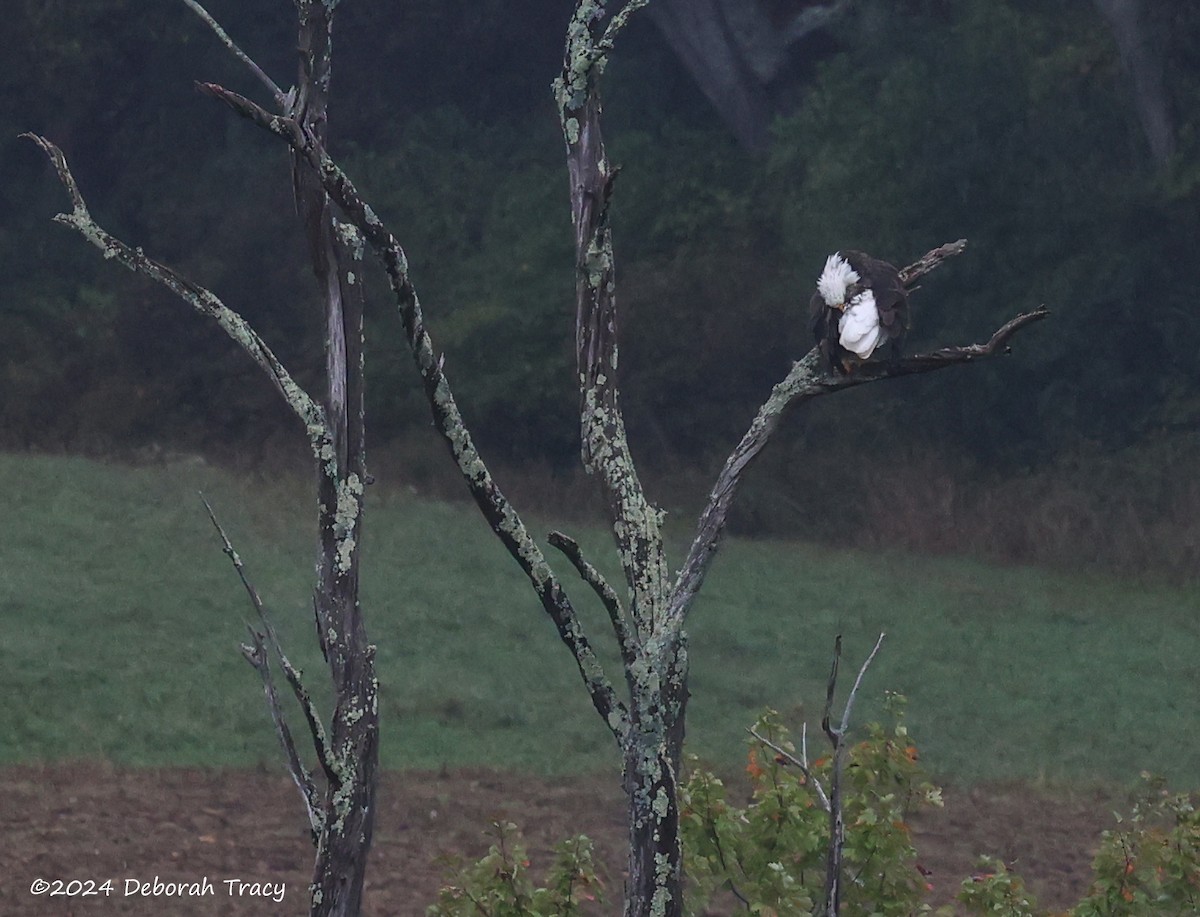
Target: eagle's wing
{"type": "Point", "coordinates": [823, 322]}
{"type": "Point", "coordinates": [892, 302]}
{"type": "Point", "coordinates": [891, 299]}
{"type": "Point", "coordinates": [818, 316]}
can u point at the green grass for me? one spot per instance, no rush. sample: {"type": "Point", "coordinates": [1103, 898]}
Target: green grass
{"type": "Point", "coordinates": [120, 620]}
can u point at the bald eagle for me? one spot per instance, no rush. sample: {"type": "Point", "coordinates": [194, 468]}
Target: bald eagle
{"type": "Point", "coordinates": [860, 304]}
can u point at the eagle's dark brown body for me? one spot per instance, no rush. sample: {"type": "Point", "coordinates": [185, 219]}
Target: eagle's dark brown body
{"type": "Point", "coordinates": [891, 302]}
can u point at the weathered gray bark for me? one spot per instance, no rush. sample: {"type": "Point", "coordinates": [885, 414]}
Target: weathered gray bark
{"type": "Point", "coordinates": [1140, 44]}
{"type": "Point", "coordinates": [657, 672]}
{"type": "Point", "coordinates": [344, 823]}
{"type": "Point", "coordinates": [335, 252]}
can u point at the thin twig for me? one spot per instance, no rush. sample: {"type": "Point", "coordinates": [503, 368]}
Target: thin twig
{"type": "Point", "coordinates": [930, 260]}
{"type": "Point", "coordinates": [800, 762]}
{"type": "Point", "coordinates": [258, 657]}
{"type": "Point", "coordinates": [617, 23]}
{"type": "Point", "coordinates": [279, 95]}
{"type": "Point", "coordinates": [291, 673]}
{"type": "Point", "coordinates": [858, 682]}
{"type": "Point", "coordinates": [236, 560]}
{"type": "Point", "coordinates": [804, 757]}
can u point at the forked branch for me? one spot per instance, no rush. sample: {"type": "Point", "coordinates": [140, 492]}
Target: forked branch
{"type": "Point", "coordinates": [800, 762]}
{"type": "Point", "coordinates": [809, 379]}
{"type": "Point", "coordinates": [280, 97]}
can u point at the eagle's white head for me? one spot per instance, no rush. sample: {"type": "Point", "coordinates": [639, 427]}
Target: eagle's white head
{"type": "Point", "coordinates": [836, 279]}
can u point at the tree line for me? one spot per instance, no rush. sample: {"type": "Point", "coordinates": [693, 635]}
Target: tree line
{"type": "Point", "coordinates": [1011, 123]}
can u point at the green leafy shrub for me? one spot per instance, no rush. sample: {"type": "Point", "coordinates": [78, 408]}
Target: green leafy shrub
{"type": "Point", "coordinates": [771, 854]}
{"type": "Point", "coordinates": [995, 890]}
{"type": "Point", "coordinates": [1148, 866]}
{"type": "Point", "coordinates": [769, 857]}
{"type": "Point", "coordinates": [500, 884]}
{"type": "Point", "coordinates": [1150, 863]}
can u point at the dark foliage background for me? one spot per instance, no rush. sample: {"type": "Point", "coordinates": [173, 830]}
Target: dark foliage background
{"type": "Point", "coordinates": [1005, 121]}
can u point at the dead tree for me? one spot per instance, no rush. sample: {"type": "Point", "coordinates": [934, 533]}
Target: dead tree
{"type": "Point", "coordinates": [648, 624]}
{"type": "Point", "coordinates": [341, 804]}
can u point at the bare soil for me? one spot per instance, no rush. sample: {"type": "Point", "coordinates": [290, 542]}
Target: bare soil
{"type": "Point", "coordinates": [86, 821]}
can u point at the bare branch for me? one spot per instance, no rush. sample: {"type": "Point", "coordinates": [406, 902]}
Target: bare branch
{"type": "Point", "coordinates": [258, 657]}
{"type": "Point", "coordinates": [236, 560]}
{"type": "Point", "coordinates": [804, 757]}
{"type": "Point", "coordinates": [617, 23]}
{"type": "Point", "coordinates": [830, 688]}
{"type": "Point", "coordinates": [278, 94]}
{"type": "Point", "coordinates": [809, 379]}
{"type": "Point", "coordinates": [837, 735]}
{"type": "Point", "coordinates": [858, 683]}
{"type": "Point", "coordinates": [837, 820]}
{"type": "Point", "coordinates": [291, 673]}
{"type": "Point", "coordinates": [497, 510]}
{"type": "Point", "coordinates": [832, 803]}
{"type": "Point", "coordinates": [281, 125]}
{"type": "Point", "coordinates": [202, 300]}
{"type": "Point", "coordinates": [800, 762]}
{"type": "Point", "coordinates": [996, 345]}
{"type": "Point", "coordinates": [627, 642]}
{"type": "Point", "coordinates": [930, 260]}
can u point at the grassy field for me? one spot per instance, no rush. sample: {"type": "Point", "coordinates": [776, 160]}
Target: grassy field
{"type": "Point", "coordinates": [120, 619]}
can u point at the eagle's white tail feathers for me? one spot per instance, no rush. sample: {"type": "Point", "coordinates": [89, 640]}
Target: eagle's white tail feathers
{"type": "Point", "coordinates": [859, 329]}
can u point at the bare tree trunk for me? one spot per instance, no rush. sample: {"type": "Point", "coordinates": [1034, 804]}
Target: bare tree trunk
{"type": "Point", "coordinates": [653, 757]}
{"type": "Point", "coordinates": [656, 665]}
{"type": "Point", "coordinates": [336, 255]}
{"type": "Point", "coordinates": [1142, 53]}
